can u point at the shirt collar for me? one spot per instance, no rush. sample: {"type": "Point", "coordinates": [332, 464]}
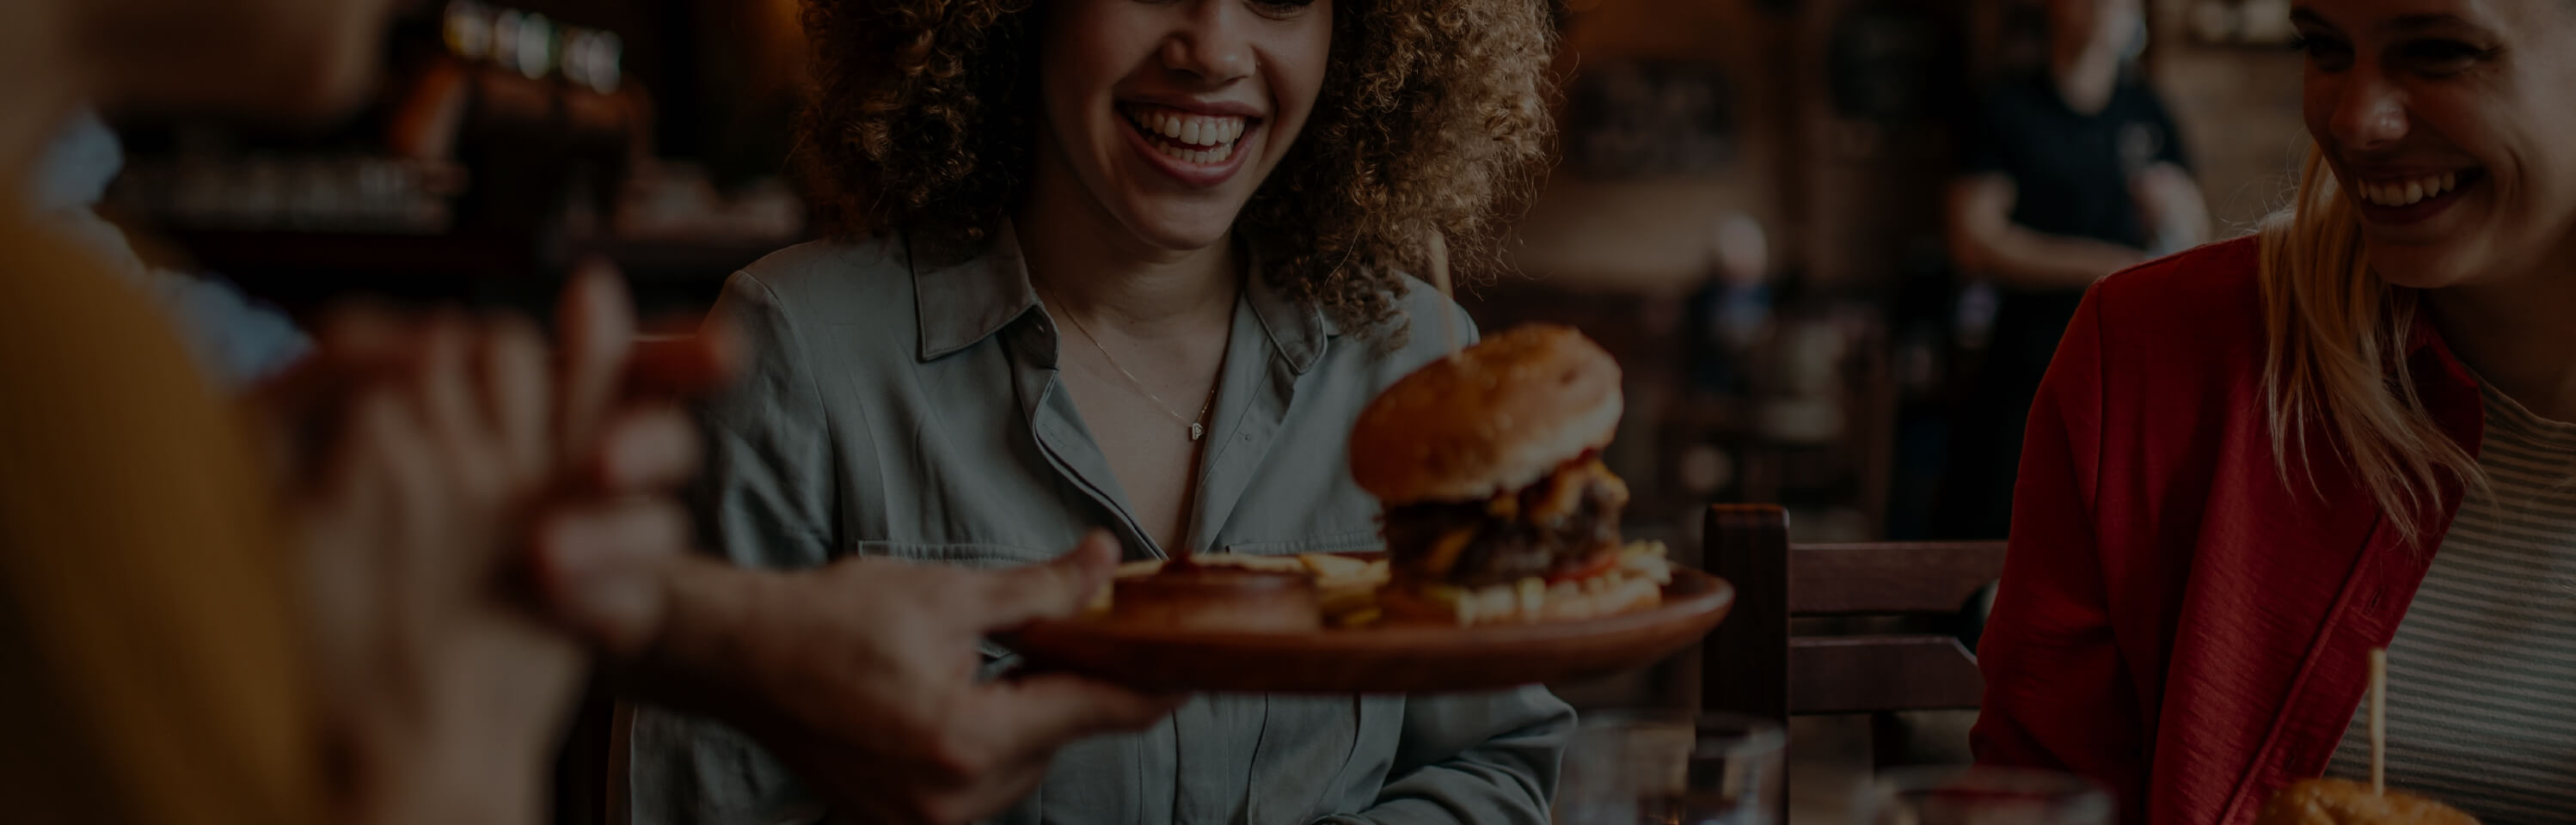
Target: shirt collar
{"type": "Point", "coordinates": [2422, 338]}
{"type": "Point", "coordinates": [959, 305]}
{"type": "Point", "coordinates": [2444, 385]}
{"type": "Point", "coordinates": [1297, 330]}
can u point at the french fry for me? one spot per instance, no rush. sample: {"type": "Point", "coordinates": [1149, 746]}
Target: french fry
{"type": "Point", "coordinates": [1139, 567]}
{"type": "Point", "coordinates": [1329, 566]}
{"type": "Point", "coordinates": [1266, 564]}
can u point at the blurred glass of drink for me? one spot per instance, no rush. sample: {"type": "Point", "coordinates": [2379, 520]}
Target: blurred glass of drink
{"type": "Point", "coordinates": [1670, 768]}
{"type": "Point", "coordinates": [1984, 796]}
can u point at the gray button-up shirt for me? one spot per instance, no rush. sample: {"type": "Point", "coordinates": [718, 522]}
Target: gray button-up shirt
{"type": "Point", "coordinates": [915, 411]}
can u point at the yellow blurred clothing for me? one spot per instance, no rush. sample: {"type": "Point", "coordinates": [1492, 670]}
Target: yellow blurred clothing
{"type": "Point", "coordinates": [150, 657]}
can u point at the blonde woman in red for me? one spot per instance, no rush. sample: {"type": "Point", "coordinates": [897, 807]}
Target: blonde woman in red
{"type": "Point", "coordinates": [2253, 462]}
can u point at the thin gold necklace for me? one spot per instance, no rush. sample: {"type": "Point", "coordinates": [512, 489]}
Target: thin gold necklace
{"type": "Point", "coordinates": [1197, 428]}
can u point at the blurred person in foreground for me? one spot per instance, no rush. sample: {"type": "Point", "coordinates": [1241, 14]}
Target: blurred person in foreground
{"type": "Point", "coordinates": [2256, 461]}
{"type": "Point", "coordinates": [2071, 173]}
{"type": "Point", "coordinates": [236, 339]}
{"type": "Point", "coordinates": [1134, 264]}
{"type": "Point", "coordinates": [364, 596]}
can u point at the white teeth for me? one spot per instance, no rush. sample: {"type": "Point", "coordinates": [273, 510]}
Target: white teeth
{"type": "Point", "coordinates": [1202, 157]}
{"type": "Point", "coordinates": [2407, 192]}
{"type": "Point", "coordinates": [1194, 131]}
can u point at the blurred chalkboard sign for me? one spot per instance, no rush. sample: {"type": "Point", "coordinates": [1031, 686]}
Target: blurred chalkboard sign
{"type": "Point", "coordinates": [1892, 63]}
{"type": "Point", "coordinates": [1650, 117]}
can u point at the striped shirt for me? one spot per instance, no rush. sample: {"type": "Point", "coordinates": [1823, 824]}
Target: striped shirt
{"type": "Point", "coordinates": [2482, 674]}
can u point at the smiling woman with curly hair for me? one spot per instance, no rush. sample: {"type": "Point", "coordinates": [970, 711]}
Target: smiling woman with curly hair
{"type": "Point", "coordinates": [1430, 117]}
{"type": "Point", "coordinates": [1128, 265]}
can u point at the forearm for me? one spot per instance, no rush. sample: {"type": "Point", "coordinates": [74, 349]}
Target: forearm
{"type": "Point", "coordinates": [1984, 239]}
{"type": "Point", "coordinates": [2177, 218]}
{"type": "Point", "coordinates": [699, 658]}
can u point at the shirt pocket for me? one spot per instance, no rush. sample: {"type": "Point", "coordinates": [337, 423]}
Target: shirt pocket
{"type": "Point", "coordinates": [962, 554]}
{"type": "Point", "coordinates": [981, 556]}
{"type": "Point", "coordinates": [1354, 541]}
{"type": "Point", "coordinates": [1322, 755]}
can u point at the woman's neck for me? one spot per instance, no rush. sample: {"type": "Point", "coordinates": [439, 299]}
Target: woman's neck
{"type": "Point", "coordinates": [1085, 259]}
{"type": "Point", "coordinates": [2515, 333]}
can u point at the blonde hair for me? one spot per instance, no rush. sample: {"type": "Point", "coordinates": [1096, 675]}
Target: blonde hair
{"type": "Point", "coordinates": [2335, 341]}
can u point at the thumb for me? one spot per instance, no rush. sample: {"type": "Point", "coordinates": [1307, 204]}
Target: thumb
{"type": "Point", "coordinates": [595, 328]}
{"type": "Point", "coordinates": [604, 570]}
{"type": "Point", "coordinates": [686, 364]}
{"type": "Point", "coordinates": [1057, 588]}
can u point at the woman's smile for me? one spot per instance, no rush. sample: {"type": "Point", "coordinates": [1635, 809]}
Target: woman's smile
{"type": "Point", "coordinates": [2394, 196]}
{"type": "Point", "coordinates": [1198, 146]}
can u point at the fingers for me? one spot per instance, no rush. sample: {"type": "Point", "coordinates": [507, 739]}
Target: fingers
{"type": "Point", "coordinates": [645, 449]}
{"type": "Point", "coordinates": [386, 448]}
{"type": "Point", "coordinates": [361, 332]}
{"type": "Point", "coordinates": [451, 407]}
{"type": "Point", "coordinates": [510, 368]}
{"type": "Point", "coordinates": [1012, 597]}
{"type": "Point", "coordinates": [599, 569]}
{"type": "Point", "coordinates": [303, 407]}
{"type": "Point", "coordinates": [595, 327]}
{"type": "Point", "coordinates": [684, 365]}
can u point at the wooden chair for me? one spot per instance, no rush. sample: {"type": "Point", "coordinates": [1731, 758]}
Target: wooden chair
{"type": "Point", "coordinates": [1756, 664]}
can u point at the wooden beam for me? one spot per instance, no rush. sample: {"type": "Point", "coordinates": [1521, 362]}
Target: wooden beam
{"type": "Point", "coordinates": [1855, 674]}
{"type": "Point", "coordinates": [1844, 579]}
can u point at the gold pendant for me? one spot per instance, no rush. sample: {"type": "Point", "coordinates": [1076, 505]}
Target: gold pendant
{"type": "Point", "coordinates": [1196, 431]}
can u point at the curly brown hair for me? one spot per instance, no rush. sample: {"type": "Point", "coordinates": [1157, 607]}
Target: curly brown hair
{"type": "Point", "coordinates": [1432, 117]}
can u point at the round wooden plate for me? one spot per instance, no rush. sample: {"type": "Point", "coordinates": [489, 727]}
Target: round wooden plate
{"type": "Point", "coordinates": [1399, 659]}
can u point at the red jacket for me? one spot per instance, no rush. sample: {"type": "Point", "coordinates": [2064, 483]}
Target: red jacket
{"type": "Point", "coordinates": [2175, 619]}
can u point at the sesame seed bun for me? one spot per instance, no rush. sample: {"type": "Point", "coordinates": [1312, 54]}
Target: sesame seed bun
{"type": "Point", "coordinates": [2345, 802]}
{"type": "Point", "coordinates": [1495, 417]}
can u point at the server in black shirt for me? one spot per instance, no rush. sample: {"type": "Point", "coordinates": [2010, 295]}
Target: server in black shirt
{"type": "Point", "coordinates": [2071, 173]}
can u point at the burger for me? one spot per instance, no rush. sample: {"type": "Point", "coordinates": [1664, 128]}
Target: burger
{"type": "Point", "coordinates": [1497, 506]}
{"type": "Point", "coordinates": [2345, 802]}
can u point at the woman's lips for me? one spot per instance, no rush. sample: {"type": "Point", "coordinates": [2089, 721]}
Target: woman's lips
{"type": "Point", "coordinates": [1195, 149]}
{"type": "Point", "coordinates": [2397, 200]}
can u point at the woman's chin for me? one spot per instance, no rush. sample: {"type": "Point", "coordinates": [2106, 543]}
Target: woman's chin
{"type": "Point", "coordinates": [2422, 266]}
{"type": "Point", "coordinates": [1184, 227]}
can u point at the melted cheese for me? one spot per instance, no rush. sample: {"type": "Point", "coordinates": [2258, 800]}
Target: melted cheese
{"type": "Point", "coordinates": [1565, 490]}
{"type": "Point", "coordinates": [1445, 551]}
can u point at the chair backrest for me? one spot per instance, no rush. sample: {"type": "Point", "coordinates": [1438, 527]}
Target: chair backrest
{"type": "Point", "coordinates": [1754, 663]}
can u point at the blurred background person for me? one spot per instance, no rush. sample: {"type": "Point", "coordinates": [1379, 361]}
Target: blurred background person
{"type": "Point", "coordinates": [2070, 173]}
{"type": "Point", "coordinates": [315, 608]}
{"type": "Point", "coordinates": [237, 339]}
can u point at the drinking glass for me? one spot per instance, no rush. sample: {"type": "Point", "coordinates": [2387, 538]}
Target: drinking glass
{"type": "Point", "coordinates": [1670, 768]}
{"type": "Point", "coordinates": [1985, 796]}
